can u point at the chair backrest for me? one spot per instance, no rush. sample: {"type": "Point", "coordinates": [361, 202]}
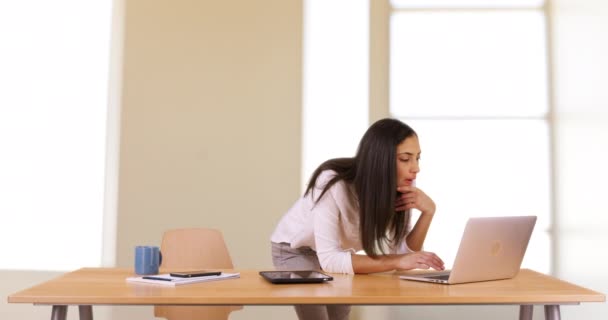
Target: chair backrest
{"type": "Point", "coordinates": [191, 249]}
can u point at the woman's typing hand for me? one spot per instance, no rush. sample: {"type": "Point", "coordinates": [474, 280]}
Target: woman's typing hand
{"type": "Point", "coordinates": [420, 260]}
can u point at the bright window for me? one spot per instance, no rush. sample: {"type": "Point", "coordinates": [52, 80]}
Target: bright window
{"type": "Point", "coordinates": [468, 64]}
{"type": "Point", "coordinates": [475, 168]}
{"type": "Point", "coordinates": [473, 4]}
{"type": "Point", "coordinates": [54, 82]}
{"type": "Point", "coordinates": [471, 78]}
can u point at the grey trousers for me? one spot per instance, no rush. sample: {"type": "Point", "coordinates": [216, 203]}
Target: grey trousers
{"type": "Point", "coordinates": [286, 258]}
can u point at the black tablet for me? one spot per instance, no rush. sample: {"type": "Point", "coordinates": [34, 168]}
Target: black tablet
{"type": "Point", "coordinates": [299, 276]}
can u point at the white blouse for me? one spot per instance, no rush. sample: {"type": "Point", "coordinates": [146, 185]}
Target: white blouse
{"type": "Point", "coordinates": [330, 226]}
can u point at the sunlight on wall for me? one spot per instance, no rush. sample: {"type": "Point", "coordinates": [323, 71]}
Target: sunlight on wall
{"type": "Point", "coordinates": [335, 107]}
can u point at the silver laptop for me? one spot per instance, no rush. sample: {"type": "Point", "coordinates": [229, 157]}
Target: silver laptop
{"type": "Point", "coordinates": [491, 248]}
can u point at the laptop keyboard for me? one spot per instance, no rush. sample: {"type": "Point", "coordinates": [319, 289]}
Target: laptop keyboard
{"type": "Point", "coordinates": [440, 277]}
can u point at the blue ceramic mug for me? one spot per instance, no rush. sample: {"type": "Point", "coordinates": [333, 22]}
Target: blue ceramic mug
{"type": "Point", "coordinates": [147, 260]}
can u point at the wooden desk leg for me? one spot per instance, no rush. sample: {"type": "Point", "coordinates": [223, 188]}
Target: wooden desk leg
{"type": "Point", "coordinates": [552, 312]}
{"type": "Point", "coordinates": [86, 312]}
{"type": "Point", "coordinates": [59, 312]}
{"type": "Point", "coordinates": [525, 312]}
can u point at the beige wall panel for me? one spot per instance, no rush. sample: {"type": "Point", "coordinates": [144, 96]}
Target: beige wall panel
{"type": "Point", "coordinates": [211, 113]}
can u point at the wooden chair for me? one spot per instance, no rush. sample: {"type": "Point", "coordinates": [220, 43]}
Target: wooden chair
{"type": "Point", "coordinates": [191, 249]}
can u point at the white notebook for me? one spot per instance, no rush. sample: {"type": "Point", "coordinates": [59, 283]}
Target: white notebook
{"type": "Point", "coordinates": [167, 280]}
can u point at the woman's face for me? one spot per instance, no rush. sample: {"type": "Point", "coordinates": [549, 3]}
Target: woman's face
{"type": "Point", "coordinates": [408, 155]}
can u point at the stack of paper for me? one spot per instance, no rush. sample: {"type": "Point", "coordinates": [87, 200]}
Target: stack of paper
{"type": "Point", "coordinates": [167, 280]}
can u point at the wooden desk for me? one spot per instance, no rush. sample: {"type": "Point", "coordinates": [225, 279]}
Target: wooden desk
{"type": "Point", "coordinates": [107, 286]}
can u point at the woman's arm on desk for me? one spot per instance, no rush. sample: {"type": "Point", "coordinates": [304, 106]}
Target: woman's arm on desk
{"type": "Point", "coordinates": [412, 260]}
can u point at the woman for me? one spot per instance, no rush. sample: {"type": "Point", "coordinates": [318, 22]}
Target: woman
{"type": "Point", "coordinates": [360, 203]}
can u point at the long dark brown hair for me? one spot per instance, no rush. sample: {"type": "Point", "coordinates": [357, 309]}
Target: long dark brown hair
{"type": "Point", "coordinates": [373, 172]}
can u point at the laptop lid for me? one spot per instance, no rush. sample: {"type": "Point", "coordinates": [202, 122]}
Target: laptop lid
{"type": "Point", "coordinates": [491, 248]}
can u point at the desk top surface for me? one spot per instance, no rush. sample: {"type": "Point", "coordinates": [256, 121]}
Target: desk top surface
{"type": "Point", "coordinates": [92, 286]}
